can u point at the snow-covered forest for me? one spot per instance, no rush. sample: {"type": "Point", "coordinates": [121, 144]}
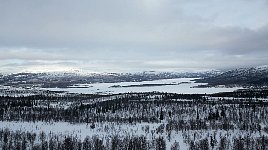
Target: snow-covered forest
{"type": "Point", "coordinates": [151, 120]}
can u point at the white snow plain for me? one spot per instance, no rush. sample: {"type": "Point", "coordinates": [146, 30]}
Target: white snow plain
{"type": "Point", "coordinates": [183, 85]}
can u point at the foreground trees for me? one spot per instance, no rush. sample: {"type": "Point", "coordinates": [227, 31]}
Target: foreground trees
{"type": "Point", "coordinates": [203, 121]}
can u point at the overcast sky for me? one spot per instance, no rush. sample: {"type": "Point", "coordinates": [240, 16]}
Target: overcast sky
{"type": "Point", "coordinates": [132, 35]}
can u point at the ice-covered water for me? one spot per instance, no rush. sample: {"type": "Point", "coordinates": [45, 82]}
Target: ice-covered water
{"type": "Point", "coordinates": [183, 85]}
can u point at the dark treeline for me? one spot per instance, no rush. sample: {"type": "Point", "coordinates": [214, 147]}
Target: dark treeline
{"type": "Point", "coordinates": [137, 107]}
{"type": "Point", "coordinates": [253, 93]}
{"type": "Point", "coordinates": [88, 108]}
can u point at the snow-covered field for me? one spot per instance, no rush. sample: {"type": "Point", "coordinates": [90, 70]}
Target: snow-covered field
{"type": "Point", "coordinates": [101, 130]}
{"type": "Point", "coordinates": [81, 130]}
{"type": "Point", "coordinates": [183, 85]}
{"type": "Point", "coordinates": [179, 85]}
{"type": "Point", "coordinates": [108, 130]}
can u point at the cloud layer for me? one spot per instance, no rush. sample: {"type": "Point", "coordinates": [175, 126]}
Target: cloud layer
{"type": "Point", "coordinates": [133, 35]}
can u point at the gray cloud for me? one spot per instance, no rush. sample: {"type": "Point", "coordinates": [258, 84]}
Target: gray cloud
{"type": "Point", "coordinates": [134, 35]}
{"type": "Point", "coordinates": [252, 42]}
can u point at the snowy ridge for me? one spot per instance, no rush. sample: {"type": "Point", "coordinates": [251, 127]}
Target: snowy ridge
{"type": "Point", "coordinates": [253, 76]}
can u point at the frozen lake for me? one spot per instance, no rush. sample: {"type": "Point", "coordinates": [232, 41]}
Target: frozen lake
{"type": "Point", "coordinates": [179, 85]}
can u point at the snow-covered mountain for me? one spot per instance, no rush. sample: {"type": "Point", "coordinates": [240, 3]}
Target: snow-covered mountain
{"type": "Point", "coordinates": [65, 79]}
{"type": "Point", "coordinates": [253, 76]}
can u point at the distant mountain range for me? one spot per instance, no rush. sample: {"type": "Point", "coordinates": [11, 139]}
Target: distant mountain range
{"type": "Point", "coordinates": [63, 80]}
{"type": "Point", "coordinates": [253, 76]}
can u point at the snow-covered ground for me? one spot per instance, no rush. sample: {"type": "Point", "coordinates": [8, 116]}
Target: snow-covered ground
{"type": "Point", "coordinates": [108, 130]}
{"type": "Point", "coordinates": [179, 85]}
{"type": "Point", "coordinates": [183, 85]}
{"type": "Point", "coordinates": [82, 130]}
{"type": "Point", "coordinates": [101, 130]}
